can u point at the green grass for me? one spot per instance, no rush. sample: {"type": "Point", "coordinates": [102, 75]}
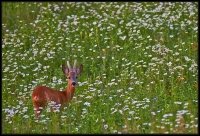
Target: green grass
{"type": "Point", "coordinates": [139, 61]}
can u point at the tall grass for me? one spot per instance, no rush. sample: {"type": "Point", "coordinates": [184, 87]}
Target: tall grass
{"type": "Point", "coordinates": [140, 66]}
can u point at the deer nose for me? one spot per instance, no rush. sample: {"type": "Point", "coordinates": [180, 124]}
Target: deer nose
{"type": "Point", "coordinates": [73, 83]}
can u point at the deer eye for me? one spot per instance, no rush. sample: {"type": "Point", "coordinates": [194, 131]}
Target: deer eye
{"type": "Point", "coordinates": [68, 77]}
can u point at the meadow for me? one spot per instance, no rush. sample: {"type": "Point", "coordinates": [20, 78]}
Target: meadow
{"type": "Point", "coordinates": [139, 66]}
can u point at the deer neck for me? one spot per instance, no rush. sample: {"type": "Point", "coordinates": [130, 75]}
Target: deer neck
{"type": "Point", "coordinates": [69, 92]}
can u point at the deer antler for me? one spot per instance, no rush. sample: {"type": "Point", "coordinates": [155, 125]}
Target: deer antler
{"type": "Point", "coordinates": [75, 64]}
{"type": "Point", "coordinates": [68, 65]}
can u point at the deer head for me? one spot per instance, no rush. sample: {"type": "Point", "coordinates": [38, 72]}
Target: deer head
{"type": "Point", "coordinates": [72, 72]}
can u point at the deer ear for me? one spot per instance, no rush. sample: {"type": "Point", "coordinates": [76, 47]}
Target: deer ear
{"type": "Point", "coordinates": [80, 69]}
{"type": "Point", "coordinates": [65, 69]}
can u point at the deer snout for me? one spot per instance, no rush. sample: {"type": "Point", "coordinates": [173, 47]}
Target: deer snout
{"type": "Point", "coordinates": [73, 83]}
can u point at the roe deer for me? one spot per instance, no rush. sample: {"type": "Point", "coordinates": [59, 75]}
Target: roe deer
{"type": "Point", "coordinates": [42, 95]}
